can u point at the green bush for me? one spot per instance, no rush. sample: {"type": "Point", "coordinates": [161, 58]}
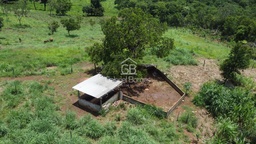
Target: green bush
{"type": "Point", "coordinates": [136, 116]}
{"type": "Point", "coordinates": [131, 135]}
{"type": "Point", "coordinates": [181, 56]}
{"type": "Point", "coordinates": [237, 104]}
{"type": "Point", "coordinates": [155, 111]}
{"type": "Point", "coordinates": [3, 130]}
{"type": "Point", "coordinates": [94, 129]}
{"type": "Point", "coordinates": [70, 120]}
{"type": "Point", "coordinates": [227, 130]}
{"type": "Point", "coordinates": [110, 128]}
{"type": "Point", "coordinates": [189, 118]}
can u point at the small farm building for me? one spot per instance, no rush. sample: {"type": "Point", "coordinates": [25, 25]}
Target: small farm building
{"type": "Point", "coordinates": [98, 92]}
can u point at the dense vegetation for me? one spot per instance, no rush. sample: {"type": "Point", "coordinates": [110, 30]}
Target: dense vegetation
{"type": "Point", "coordinates": [29, 114]}
{"type": "Point", "coordinates": [35, 39]}
{"type": "Point", "coordinates": [235, 20]}
{"type": "Point", "coordinates": [234, 109]}
{"type": "Point", "coordinates": [131, 36]}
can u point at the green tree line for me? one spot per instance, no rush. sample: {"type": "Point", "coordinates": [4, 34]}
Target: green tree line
{"type": "Point", "coordinates": [234, 19]}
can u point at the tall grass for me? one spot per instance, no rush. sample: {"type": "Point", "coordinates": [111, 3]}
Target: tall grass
{"type": "Point", "coordinates": [184, 38]}
{"type": "Point", "coordinates": [131, 135]}
{"type": "Point", "coordinates": [181, 56]}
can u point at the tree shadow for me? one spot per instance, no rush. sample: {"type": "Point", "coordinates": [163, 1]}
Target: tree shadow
{"type": "Point", "coordinates": [92, 71]}
{"type": "Point", "coordinates": [72, 36]}
{"type": "Point", "coordinates": [2, 38]}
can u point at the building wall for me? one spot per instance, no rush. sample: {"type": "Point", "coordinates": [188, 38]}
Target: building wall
{"type": "Point", "coordinates": [88, 104]}
{"type": "Point", "coordinates": [108, 103]}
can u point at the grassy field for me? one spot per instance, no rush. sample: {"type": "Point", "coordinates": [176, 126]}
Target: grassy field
{"type": "Point", "coordinates": [26, 107]}
{"type": "Point", "coordinates": [46, 124]}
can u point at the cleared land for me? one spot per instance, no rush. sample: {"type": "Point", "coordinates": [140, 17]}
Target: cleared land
{"type": "Point", "coordinates": [155, 92]}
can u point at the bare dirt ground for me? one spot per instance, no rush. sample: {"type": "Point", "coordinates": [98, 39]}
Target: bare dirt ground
{"type": "Point", "coordinates": [158, 93]}
{"type": "Point", "coordinates": [206, 70]}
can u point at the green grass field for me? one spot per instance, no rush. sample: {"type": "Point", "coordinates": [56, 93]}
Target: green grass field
{"type": "Point", "coordinates": [30, 111]}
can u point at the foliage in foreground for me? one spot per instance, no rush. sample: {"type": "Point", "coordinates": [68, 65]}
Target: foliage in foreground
{"type": "Point", "coordinates": [237, 105]}
{"type": "Point", "coordinates": [239, 59]}
{"type": "Point", "coordinates": [30, 114]}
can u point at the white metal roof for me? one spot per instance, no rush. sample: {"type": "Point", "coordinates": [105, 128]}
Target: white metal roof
{"type": "Point", "coordinates": [97, 86]}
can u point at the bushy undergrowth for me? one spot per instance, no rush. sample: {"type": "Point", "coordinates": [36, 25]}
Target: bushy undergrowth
{"type": "Point", "coordinates": [181, 56]}
{"type": "Point", "coordinates": [131, 135]}
{"type": "Point", "coordinates": [190, 119]}
{"type": "Point", "coordinates": [35, 119]}
{"type": "Point", "coordinates": [237, 104]}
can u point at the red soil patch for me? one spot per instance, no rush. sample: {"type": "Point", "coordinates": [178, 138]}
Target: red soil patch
{"type": "Point", "coordinates": [156, 92]}
{"type": "Point", "coordinates": [207, 69]}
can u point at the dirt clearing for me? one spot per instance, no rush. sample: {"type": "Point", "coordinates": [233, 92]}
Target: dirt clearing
{"type": "Point", "coordinates": [156, 92]}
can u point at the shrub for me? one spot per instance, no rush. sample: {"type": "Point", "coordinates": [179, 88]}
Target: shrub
{"type": "Point", "coordinates": [53, 26]}
{"type": "Point", "coordinates": [180, 56]}
{"type": "Point", "coordinates": [41, 126]}
{"type": "Point", "coordinates": [71, 23]}
{"type": "Point", "coordinates": [95, 9]}
{"type": "Point", "coordinates": [237, 104]}
{"type": "Point", "coordinates": [169, 131]}
{"type": "Point", "coordinates": [3, 130]}
{"type": "Point", "coordinates": [239, 58]}
{"type": "Point", "coordinates": [62, 7]}
{"type": "Point", "coordinates": [227, 130]}
{"type": "Point", "coordinates": [110, 128]}
{"type": "Point", "coordinates": [131, 135]}
{"type": "Point", "coordinates": [164, 47]}
{"type": "Point", "coordinates": [155, 111]}
{"type": "Point", "coordinates": [70, 120]}
{"type": "Point", "coordinates": [94, 129]}
{"type": "Point", "coordinates": [189, 118]}
{"type": "Point", "coordinates": [136, 116]}
{"type": "Point", "coordinates": [1, 23]}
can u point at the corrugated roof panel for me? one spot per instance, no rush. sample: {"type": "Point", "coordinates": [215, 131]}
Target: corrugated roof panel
{"type": "Point", "coordinates": [97, 86]}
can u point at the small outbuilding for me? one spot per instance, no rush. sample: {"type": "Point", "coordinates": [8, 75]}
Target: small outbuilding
{"type": "Point", "coordinates": [98, 92]}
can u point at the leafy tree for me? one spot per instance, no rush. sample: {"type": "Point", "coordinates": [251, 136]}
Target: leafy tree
{"type": "Point", "coordinates": [21, 9]}
{"type": "Point", "coordinates": [52, 4]}
{"type": "Point", "coordinates": [128, 36]}
{"type": "Point", "coordinates": [1, 23]}
{"type": "Point", "coordinates": [62, 7]}
{"type": "Point", "coordinates": [96, 52]}
{"type": "Point", "coordinates": [239, 58]}
{"type": "Point", "coordinates": [44, 2]}
{"type": "Point", "coordinates": [6, 8]}
{"type": "Point", "coordinates": [53, 26]}
{"type": "Point", "coordinates": [95, 9]}
{"type": "Point", "coordinates": [164, 47]}
{"type": "Point", "coordinates": [34, 3]}
{"type": "Point", "coordinates": [71, 24]}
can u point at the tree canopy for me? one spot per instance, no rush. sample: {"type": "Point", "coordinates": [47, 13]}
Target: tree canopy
{"type": "Point", "coordinates": [235, 20]}
{"type": "Point", "coordinates": [71, 23]}
{"type": "Point", "coordinates": [239, 58]}
{"type": "Point", "coordinates": [128, 35]}
{"type": "Point", "coordinates": [1, 23]}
